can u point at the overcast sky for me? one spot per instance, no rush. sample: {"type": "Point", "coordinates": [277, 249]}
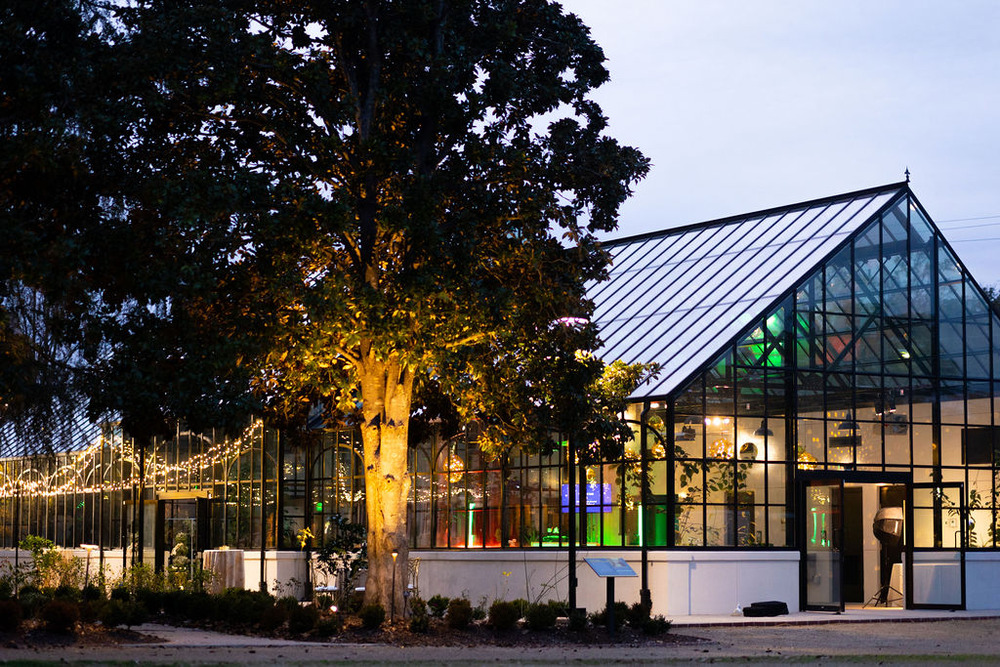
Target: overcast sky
{"type": "Point", "coordinates": [748, 105]}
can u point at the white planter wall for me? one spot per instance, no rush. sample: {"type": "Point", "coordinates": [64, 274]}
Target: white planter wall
{"type": "Point", "coordinates": [681, 582]}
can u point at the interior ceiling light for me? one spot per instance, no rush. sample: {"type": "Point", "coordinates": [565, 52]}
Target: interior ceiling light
{"type": "Point", "coordinates": [848, 424]}
{"type": "Point", "coordinates": [763, 430]}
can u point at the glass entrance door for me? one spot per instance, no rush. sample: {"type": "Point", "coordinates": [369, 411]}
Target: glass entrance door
{"type": "Point", "coordinates": [822, 551]}
{"type": "Point", "coordinates": [181, 525]}
{"type": "Point", "coordinates": [936, 524]}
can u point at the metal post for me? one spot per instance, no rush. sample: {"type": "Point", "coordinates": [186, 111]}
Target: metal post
{"type": "Point", "coordinates": [571, 493]}
{"type": "Point", "coordinates": [392, 605]}
{"type": "Point", "coordinates": [609, 611]}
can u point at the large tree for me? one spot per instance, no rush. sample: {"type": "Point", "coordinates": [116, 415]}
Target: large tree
{"type": "Point", "coordinates": [409, 190]}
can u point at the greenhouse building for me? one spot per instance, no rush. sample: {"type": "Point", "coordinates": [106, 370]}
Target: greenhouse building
{"type": "Point", "coordinates": [824, 431]}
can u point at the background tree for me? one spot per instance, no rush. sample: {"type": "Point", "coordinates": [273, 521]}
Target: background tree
{"type": "Point", "coordinates": [385, 194]}
{"type": "Point", "coordinates": [50, 195]}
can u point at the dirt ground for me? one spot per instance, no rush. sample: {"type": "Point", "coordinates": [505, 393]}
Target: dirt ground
{"type": "Point", "coordinates": [966, 641]}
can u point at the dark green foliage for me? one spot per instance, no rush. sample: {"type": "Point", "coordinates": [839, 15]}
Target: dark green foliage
{"type": "Point", "coordinates": [32, 602]}
{"type": "Point", "coordinates": [90, 610]}
{"type": "Point", "coordinates": [242, 607]}
{"type": "Point", "coordinates": [621, 615]}
{"type": "Point", "coordinates": [6, 589]}
{"type": "Point", "coordinates": [438, 605]}
{"type": "Point", "coordinates": [10, 615]}
{"type": "Point", "coordinates": [91, 592]}
{"type": "Point", "coordinates": [289, 602]}
{"type": "Point", "coordinates": [656, 625]}
{"type": "Point", "coordinates": [66, 592]}
{"type": "Point", "coordinates": [60, 616]}
{"type": "Point", "coordinates": [123, 612]}
{"type": "Point", "coordinates": [459, 613]}
{"type": "Point", "coordinates": [541, 616]}
{"type": "Point", "coordinates": [503, 615]}
{"type": "Point", "coordinates": [522, 606]}
{"type": "Point", "coordinates": [420, 620]}
{"type": "Point", "coordinates": [302, 618]}
{"type": "Point", "coordinates": [120, 593]}
{"type": "Point", "coordinates": [273, 618]}
{"type": "Point", "coordinates": [189, 605]}
{"type": "Point", "coordinates": [115, 613]}
{"type": "Point", "coordinates": [372, 616]}
{"type": "Point", "coordinates": [577, 620]}
{"type": "Point", "coordinates": [329, 626]}
{"type": "Point", "coordinates": [152, 600]}
{"type": "Point", "coordinates": [637, 615]}
{"type": "Point", "coordinates": [560, 607]}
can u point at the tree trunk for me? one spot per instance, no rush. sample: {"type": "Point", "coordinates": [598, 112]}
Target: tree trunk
{"type": "Point", "coordinates": [387, 392]}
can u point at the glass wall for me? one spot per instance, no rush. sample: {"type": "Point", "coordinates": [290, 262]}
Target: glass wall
{"type": "Point", "coordinates": [886, 358]}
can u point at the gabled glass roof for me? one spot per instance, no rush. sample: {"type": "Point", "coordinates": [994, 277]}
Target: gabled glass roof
{"type": "Point", "coordinates": [677, 297]}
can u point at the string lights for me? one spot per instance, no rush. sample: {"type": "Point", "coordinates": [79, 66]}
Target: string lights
{"type": "Point", "coordinates": [73, 477]}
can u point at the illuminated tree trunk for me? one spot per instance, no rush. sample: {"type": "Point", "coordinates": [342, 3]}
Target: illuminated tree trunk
{"type": "Point", "coordinates": [387, 391]}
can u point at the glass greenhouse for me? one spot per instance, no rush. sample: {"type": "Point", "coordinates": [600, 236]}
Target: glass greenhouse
{"type": "Point", "coordinates": [824, 366]}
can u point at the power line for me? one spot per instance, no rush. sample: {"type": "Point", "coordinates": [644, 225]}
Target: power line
{"type": "Point", "coordinates": [982, 224]}
{"type": "Point", "coordinates": [981, 217]}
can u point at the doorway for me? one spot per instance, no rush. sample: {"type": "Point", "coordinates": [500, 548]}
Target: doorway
{"type": "Point", "coordinates": [878, 540]}
{"type": "Point", "coordinates": [181, 534]}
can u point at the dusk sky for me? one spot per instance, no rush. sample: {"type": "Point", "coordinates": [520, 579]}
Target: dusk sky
{"type": "Point", "coordinates": [747, 105]}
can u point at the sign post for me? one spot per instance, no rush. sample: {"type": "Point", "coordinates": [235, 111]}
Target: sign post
{"type": "Point", "coordinates": [609, 568]}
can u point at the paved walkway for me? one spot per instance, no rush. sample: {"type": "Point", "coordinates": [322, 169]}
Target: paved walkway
{"type": "Point", "coordinates": [855, 637]}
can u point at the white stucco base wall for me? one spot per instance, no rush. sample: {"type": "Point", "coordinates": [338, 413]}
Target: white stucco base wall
{"type": "Point", "coordinates": [681, 583]}
{"type": "Point", "coordinates": [982, 579]}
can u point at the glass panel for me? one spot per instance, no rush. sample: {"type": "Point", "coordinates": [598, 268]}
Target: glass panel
{"type": "Point", "coordinates": [822, 532]}
{"type": "Point", "coordinates": [938, 520]}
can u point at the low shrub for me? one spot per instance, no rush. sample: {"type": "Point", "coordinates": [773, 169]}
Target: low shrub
{"type": "Point", "coordinates": [459, 613]}
{"type": "Point", "coordinates": [561, 607]}
{"type": "Point", "coordinates": [541, 616]}
{"type": "Point", "coordinates": [637, 615]}
{"type": "Point", "coordinates": [120, 593]}
{"type": "Point", "coordinates": [10, 616]}
{"type": "Point", "coordinates": [656, 625]}
{"type": "Point", "coordinates": [522, 606]}
{"type": "Point", "coordinates": [601, 617]}
{"type": "Point", "coordinates": [420, 620]}
{"type": "Point", "coordinates": [32, 602]}
{"type": "Point", "coordinates": [288, 602]}
{"type": "Point", "coordinates": [503, 615]}
{"type": "Point", "coordinates": [302, 619]}
{"type": "Point", "coordinates": [329, 626]}
{"type": "Point", "coordinates": [90, 610]}
{"type": "Point", "coordinates": [438, 605]}
{"type": "Point", "coordinates": [91, 592]}
{"type": "Point", "coordinates": [60, 616]}
{"type": "Point", "coordinates": [239, 606]}
{"type": "Point", "coordinates": [577, 620]}
{"type": "Point", "coordinates": [66, 592]}
{"type": "Point", "coordinates": [273, 618]}
{"type": "Point", "coordinates": [121, 612]}
{"type": "Point", "coordinates": [372, 616]}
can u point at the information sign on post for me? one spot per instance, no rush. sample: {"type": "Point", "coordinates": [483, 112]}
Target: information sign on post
{"type": "Point", "coordinates": [609, 568]}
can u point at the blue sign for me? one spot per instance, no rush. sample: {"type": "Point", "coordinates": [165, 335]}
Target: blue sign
{"type": "Point", "coordinates": [610, 567]}
{"type": "Point", "coordinates": [599, 498]}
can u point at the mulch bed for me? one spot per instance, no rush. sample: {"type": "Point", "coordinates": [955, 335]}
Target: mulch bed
{"type": "Point", "coordinates": [32, 635]}
{"type": "Point", "coordinates": [477, 634]}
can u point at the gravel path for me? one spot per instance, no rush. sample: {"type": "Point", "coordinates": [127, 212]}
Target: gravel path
{"type": "Point", "coordinates": [970, 642]}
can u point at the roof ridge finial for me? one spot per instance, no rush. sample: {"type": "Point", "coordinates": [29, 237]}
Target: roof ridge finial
{"type": "Point", "coordinates": [906, 172]}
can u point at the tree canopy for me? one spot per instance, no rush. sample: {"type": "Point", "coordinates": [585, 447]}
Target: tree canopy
{"type": "Point", "coordinates": [357, 203]}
